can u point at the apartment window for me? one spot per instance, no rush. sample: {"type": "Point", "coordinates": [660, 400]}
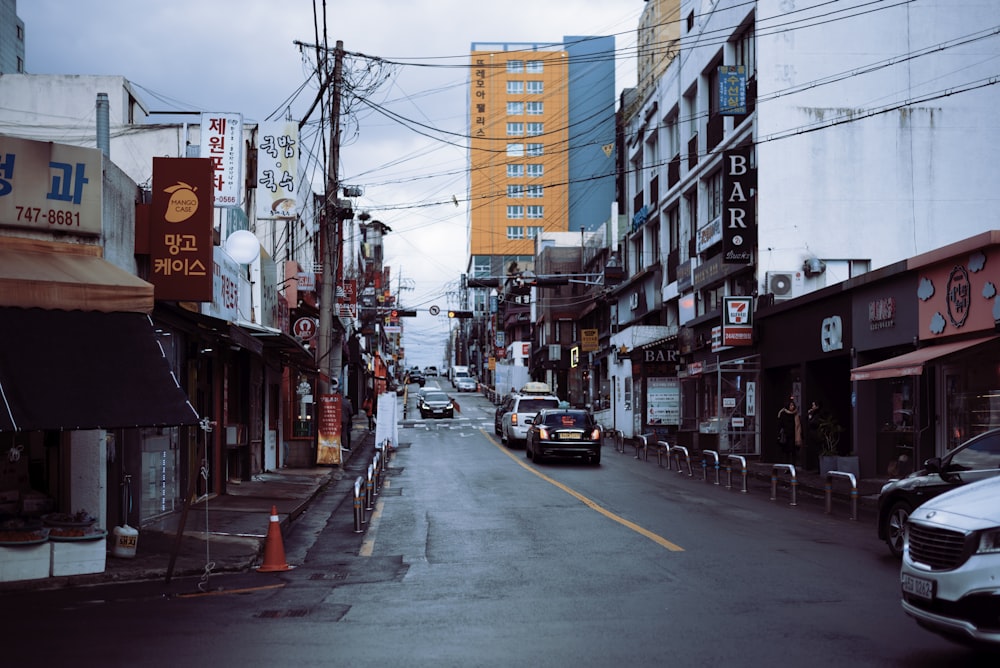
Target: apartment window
{"type": "Point", "coordinates": [515, 213]}
{"type": "Point", "coordinates": [535, 171]}
{"type": "Point", "coordinates": [673, 228]}
{"type": "Point", "coordinates": [515, 108]}
{"type": "Point", "coordinates": [535, 108]}
{"type": "Point", "coordinates": [672, 137]}
{"type": "Point", "coordinates": [515, 150]}
{"type": "Point", "coordinates": [515, 66]}
{"type": "Point", "coordinates": [746, 50]}
{"type": "Point", "coordinates": [536, 87]}
{"type": "Point", "coordinates": [515, 88]}
{"type": "Point", "coordinates": [515, 171]}
{"type": "Point", "coordinates": [536, 192]}
{"type": "Point", "coordinates": [714, 188]}
{"type": "Point", "coordinates": [515, 129]}
{"type": "Point", "coordinates": [515, 232]}
{"type": "Point", "coordinates": [536, 129]}
{"type": "Point", "coordinates": [481, 265]}
{"type": "Point", "coordinates": [536, 211]}
{"type": "Point", "coordinates": [534, 150]}
{"type": "Point", "coordinates": [534, 67]}
{"type": "Point", "coordinates": [534, 231]}
{"type": "Point", "coordinates": [515, 191]}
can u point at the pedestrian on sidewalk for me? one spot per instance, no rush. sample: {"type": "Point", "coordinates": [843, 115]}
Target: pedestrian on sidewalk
{"type": "Point", "coordinates": [367, 406]}
{"type": "Point", "coordinates": [790, 431]}
{"type": "Point", "coordinates": [346, 422]}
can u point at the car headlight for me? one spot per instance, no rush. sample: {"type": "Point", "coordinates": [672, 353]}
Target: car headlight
{"type": "Point", "coordinates": [450, 406]}
{"type": "Point", "coordinates": [989, 542]}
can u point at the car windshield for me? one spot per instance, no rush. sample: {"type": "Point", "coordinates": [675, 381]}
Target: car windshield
{"type": "Point", "coordinates": [436, 396]}
{"type": "Point", "coordinates": [535, 405]}
{"type": "Point", "coordinates": [567, 419]}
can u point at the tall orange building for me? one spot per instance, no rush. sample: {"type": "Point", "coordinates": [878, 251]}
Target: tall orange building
{"type": "Point", "coordinates": [541, 119]}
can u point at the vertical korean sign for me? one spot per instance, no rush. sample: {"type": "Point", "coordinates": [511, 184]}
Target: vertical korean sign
{"type": "Point", "coordinates": [180, 229]}
{"type": "Point", "coordinates": [222, 143]}
{"type": "Point", "coordinates": [732, 90]}
{"type": "Point", "coordinates": [328, 444]}
{"type": "Point", "coordinates": [50, 187]}
{"type": "Point", "coordinates": [739, 215]}
{"type": "Point", "coordinates": [277, 169]}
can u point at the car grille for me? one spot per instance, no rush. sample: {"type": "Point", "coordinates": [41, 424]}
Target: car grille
{"type": "Point", "coordinates": [940, 549]}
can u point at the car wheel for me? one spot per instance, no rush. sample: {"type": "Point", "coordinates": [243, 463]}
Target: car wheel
{"type": "Point", "coordinates": [596, 459]}
{"type": "Point", "coordinates": [895, 526]}
{"type": "Point", "coordinates": [537, 457]}
{"type": "Point", "coordinates": [528, 454]}
{"type": "Point", "coordinates": [503, 436]}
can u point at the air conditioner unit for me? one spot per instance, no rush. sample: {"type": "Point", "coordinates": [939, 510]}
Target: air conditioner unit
{"type": "Point", "coordinates": [784, 285]}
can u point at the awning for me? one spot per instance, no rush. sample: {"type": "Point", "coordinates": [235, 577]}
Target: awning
{"type": "Point", "coordinates": [280, 342]}
{"type": "Point", "coordinates": [912, 363]}
{"type": "Point", "coordinates": [42, 274]}
{"type": "Point", "coordinates": [85, 370]}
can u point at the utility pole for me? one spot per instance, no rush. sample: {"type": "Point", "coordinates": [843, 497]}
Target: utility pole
{"type": "Point", "coordinates": [329, 337]}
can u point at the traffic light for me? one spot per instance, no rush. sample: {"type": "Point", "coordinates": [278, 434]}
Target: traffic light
{"type": "Point", "coordinates": [484, 282]}
{"type": "Point", "coordinates": [400, 313]}
{"type": "Point", "coordinates": [459, 314]}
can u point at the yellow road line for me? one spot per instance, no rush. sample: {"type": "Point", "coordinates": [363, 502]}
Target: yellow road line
{"type": "Point", "coordinates": [593, 505]}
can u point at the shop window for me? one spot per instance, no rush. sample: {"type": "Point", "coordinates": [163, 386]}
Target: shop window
{"type": "Point", "coordinates": [303, 410]}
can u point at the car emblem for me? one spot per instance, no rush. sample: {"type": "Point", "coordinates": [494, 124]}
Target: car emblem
{"type": "Point", "coordinates": [930, 514]}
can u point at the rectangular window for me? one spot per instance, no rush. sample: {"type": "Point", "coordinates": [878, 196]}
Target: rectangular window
{"type": "Point", "coordinates": [714, 188]}
{"type": "Point", "coordinates": [515, 150]}
{"type": "Point", "coordinates": [536, 192]}
{"type": "Point", "coordinates": [535, 108]}
{"type": "Point", "coordinates": [515, 232]}
{"type": "Point", "coordinates": [536, 211]}
{"type": "Point", "coordinates": [515, 129]}
{"type": "Point", "coordinates": [515, 108]}
{"type": "Point", "coordinates": [515, 88]}
{"type": "Point", "coordinates": [515, 66]}
{"type": "Point", "coordinates": [515, 171]}
{"type": "Point", "coordinates": [481, 265]}
{"type": "Point", "coordinates": [535, 150]}
{"type": "Point", "coordinates": [534, 231]}
{"type": "Point", "coordinates": [534, 67]}
{"type": "Point", "coordinates": [535, 171]}
{"type": "Point", "coordinates": [536, 87]}
{"type": "Point", "coordinates": [536, 129]}
{"type": "Point", "coordinates": [515, 191]}
{"type": "Point", "coordinates": [515, 212]}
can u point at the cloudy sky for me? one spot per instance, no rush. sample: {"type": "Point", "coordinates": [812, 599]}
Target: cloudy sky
{"type": "Point", "coordinates": [403, 132]}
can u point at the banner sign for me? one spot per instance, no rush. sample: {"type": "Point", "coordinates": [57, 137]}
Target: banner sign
{"type": "Point", "coordinates": [739, 215]}
{"type": "Point", "coordinates": [180, 229]}
{"type": "Point", "coordinates": [222, 143]}
{"type": "Point", "coordinates": [737, 321]}
{"type": "Point", "coordinates": [732, 90]}
{"type": "Point", "coordinates": [277, 169]}
{"type": "Point", "coordinates": [328, 441]}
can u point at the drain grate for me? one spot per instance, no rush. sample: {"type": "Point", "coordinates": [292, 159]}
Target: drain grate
{"type": "Point", "coordinates": [281, 614]}
{"type": "Point", "coordinates": [328, 576]}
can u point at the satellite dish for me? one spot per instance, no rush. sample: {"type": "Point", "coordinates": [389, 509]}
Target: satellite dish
{"type": "Point", "coordinates": [243, 246]}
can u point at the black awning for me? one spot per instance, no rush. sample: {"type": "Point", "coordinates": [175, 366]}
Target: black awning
{"type": "Point", "coordinates": [85, 370]}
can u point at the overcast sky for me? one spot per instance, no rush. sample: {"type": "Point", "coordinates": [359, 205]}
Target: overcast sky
{"type": "Point", "coordinates": [240, 56]}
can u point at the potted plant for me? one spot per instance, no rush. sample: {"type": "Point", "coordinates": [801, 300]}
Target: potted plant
{"type": "Point", "coordinates": [830, 458]}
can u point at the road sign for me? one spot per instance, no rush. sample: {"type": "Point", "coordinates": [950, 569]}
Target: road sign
{"type": "Point", "coordinates": [434, 310]}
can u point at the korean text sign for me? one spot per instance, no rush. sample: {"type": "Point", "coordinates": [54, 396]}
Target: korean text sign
{"type": "Point", "coordinates": [222, 143]}
{"type": "Point", "coordinates": [180, 229]}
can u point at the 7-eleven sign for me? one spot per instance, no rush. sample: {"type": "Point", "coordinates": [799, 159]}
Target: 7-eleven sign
{"type": "Point", "coordinates": [737, 321]}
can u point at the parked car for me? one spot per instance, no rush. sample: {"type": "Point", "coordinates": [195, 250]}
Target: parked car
{"type": "Point", "coordinates": [436, 404]}
{"type": "Point", "coordinates": [951, 558]}
{"type": "Point", "coordinates": [514, 423]}
{"type": "Point", "coordinates": [975, 459]}
{"type": "Point", "coordinates": [563, 432]}
{"type": "Point", "coordinates": [466, 384]}
{"type": "Point", "coordinates": [503, 408]}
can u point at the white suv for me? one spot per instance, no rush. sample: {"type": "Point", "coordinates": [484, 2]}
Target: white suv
{"type": "Point", "coordinates": [951, 562]}
{"type": "Point", "coordinates": [515, 422]}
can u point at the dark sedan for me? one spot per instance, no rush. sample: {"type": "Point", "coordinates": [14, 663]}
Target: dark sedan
{"type": "Point", "coordinates": [976, 459]}
{"type": "Point", "coordinates": [436, 404]}
{"type": "Point", "coordinates": [563, 433]}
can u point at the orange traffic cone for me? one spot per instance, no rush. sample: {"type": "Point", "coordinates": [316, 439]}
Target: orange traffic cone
{"type": "Point", "coordinates": [274, 548]}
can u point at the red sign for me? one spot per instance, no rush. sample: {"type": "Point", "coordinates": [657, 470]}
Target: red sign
{"type": "Point", "coordinates": [305, 328]}
{"type": "Point", "coordinates": [180, 229]}
{"type": "Point", "coordinates": [328, 440]}
{"type": "Point", "coordinates": [737, 321]}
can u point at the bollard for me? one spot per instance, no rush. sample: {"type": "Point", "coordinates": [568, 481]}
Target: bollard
{"type": "Point", "coordinates": [680, 450]}
{"type": "Point", "coordinates": [743, 471]}
{"type": "Point", "coordinates": [774, 481]}
{"type": "Point", "coordinates": [359, 501]}
{"type": "Point", "coordinates": [370, 489]}
{"type": "Point", "coordinates": [704, 464]}
{"type": "Point", "coordinates": [854, 491]}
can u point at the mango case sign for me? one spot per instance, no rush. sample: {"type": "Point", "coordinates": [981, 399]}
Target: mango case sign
{"type": "Point", "coordinates": [180, 229]}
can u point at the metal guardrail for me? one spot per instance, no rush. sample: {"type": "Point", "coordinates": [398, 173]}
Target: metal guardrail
{"type": "Point", "coordinates": [367, 487]}
{"type": "Point", "coordinates": [619, 437]}
{"type": "Point", "coordinates": [359, 505]}
{"type": "Point", "coordinates": [830, 475]}
{"type": "Point", "coordinates": [642, 443]}
{"type": "Point", "coordinates": [705, 454]}
{"type": "Point", "coordinates": [676, 452]}
{"type": "Point", "coordinates": [790, 468]}
{"type": "Point", "coordinates": [744, 472]}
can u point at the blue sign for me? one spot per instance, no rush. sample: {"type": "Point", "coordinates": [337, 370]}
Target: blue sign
{"type": "Point", "coordinates": [732, 90]}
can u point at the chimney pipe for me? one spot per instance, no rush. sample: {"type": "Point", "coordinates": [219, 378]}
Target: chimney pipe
{"type": "Point", "coordinates": [103, 123]}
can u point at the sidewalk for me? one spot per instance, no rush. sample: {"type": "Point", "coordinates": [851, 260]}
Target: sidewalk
{"type": "Point", "coordinates": [237, 524]}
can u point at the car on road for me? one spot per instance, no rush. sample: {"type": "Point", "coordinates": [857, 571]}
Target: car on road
{"type": "Point", "coordinates": [503, 408]}
{"type": "Point", "coordinates": [466, 384]}
{"type": "Point", "coordinates": [563, 433]}
{"type": "Point", "coordinates": [951, 559]}
{"type": "Point", "coordinates": [430, 371]}
{"type": "Point", "coordinates": [973, 460]}
{"type": "Point", "coordinates": [436, 404]}
{"type": "Point", "coordinates": [417, 376]}
{"type": "Point", "coordinates": [523, 408]}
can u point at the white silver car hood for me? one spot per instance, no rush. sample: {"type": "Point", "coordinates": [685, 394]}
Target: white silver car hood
{"type": "Point", "coordinates": [969, 507]}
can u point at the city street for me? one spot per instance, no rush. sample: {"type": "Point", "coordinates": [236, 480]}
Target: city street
{"type": "Point", "coordinates": [475, 556]}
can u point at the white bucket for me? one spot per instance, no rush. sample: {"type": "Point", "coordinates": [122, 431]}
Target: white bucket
{"type": "Point", "coordinates": [125, 543]}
